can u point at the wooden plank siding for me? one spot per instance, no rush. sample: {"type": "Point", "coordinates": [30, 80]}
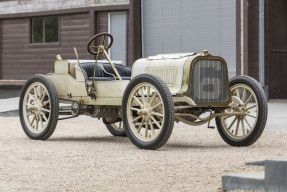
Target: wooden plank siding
{"type": "Point", "coordinates": [102, 19]}
{"type": "Point", "coordinates": [20, 59]}
{"type": "Point", "coordinates": [276, 53]}
{"type": "Point", "coordinates": [253, 39]}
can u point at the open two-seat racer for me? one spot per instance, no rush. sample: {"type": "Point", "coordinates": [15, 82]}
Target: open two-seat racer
{"type": "Point", "coordinates": [143, 102]}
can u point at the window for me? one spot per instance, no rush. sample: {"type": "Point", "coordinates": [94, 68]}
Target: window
{"type": "Point", "coordinates": [44, 30]}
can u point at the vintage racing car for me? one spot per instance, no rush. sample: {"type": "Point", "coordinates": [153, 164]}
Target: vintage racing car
{"type": "Point", "coordinates": [143, 102]}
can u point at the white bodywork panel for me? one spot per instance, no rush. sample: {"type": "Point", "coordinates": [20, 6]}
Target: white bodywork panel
{"type": "Point", "coordinates": [73, 84]}
{"type": "Point", "coordinates": [169, 67]}
{"type": "Point", "coordinates": [107, 92]}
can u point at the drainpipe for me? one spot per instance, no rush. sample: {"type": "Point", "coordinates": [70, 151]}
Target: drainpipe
{"type": "Point", "coordinates": [261, 44]}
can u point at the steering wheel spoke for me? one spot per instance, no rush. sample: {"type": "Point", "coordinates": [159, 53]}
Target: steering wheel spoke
{"type": "Point", "coordinates": [94, 47]}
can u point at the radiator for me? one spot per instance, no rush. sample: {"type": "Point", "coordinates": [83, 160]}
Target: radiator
{"type": "Point", "coordinates": [209, 81]}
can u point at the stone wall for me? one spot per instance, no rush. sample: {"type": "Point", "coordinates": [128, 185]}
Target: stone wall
{"type": "Point", "coordinates": [24, 6]}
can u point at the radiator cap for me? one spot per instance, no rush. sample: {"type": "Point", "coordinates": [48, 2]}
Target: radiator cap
{"type": "Point", "coordinates": [205, 52]}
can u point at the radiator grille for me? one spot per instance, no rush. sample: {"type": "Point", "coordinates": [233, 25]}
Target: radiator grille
{"type": "Point", "coordinates": [168, 74]}
{"type": "Point", "coordinates": [208, 81]}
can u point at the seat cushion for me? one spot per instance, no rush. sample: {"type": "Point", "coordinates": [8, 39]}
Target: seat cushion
{"type": "Point", "coordinates": [124, 71]}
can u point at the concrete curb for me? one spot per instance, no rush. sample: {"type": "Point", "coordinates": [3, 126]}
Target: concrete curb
{"type": "Point", "coordinates": [274, 179]}
{"type": "Point", "coordinates": [257, 163]}
{"type": "Point", "coordinates": [244, 181]}
{"type": "Point", "coordinates": [12, 113]}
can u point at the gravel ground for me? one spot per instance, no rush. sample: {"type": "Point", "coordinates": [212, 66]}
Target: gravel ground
{"type": "Point", "coordinates": [82, 156]}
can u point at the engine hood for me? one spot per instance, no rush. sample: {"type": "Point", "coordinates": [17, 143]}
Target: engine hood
{"type": "Point", "coordinates": [171, 68]}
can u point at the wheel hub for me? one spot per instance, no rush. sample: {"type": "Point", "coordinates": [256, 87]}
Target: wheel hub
{"type": "Point", "coordinates": [145, 112]}
{"type": "Point", "coordinates": [36, 107]}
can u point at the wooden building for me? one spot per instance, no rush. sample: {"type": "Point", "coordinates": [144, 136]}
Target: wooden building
{"type": "Point", "coordinates": [32, 34]}
{"type": "Point", "coordinates": [31, 37]}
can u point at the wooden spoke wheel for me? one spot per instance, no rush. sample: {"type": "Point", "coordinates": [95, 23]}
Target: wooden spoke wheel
{"type": "Point", "coordinates": [148, 112]}
{"type": "Point", "coordinates": [244, 129]}
{"type": "Point", "coordinates": [39, 107]}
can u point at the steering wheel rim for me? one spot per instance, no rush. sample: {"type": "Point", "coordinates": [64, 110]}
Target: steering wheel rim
{"type": "Point", "coordinates": [90, 47]}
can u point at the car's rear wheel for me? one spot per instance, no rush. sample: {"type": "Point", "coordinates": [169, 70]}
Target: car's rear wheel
{"type": "Point", "coordinates": [116, 129]}
{"type": "Point", "coordinates": [39, 107]}
{"type": "Point", "coordinates": [246, 128]}
{"type": "Point", "coordinates": [148, 112]}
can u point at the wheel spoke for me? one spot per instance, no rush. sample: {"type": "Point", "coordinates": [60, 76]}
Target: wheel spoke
{"type": "Point", "coordinates": [153, 98]}
{"type": "Point", "coordinates": [46, 102]}
{"type": "Point", "coordinates": [227, 117]}
{"type": "Point", "coordinates": [148, 93]}
{"type": "Point", "coordinates": [135, 109]}
{"type": "Point", "coordinates": [248, 108]}
{"type": "Point", "coordinates": [136, 119]}
{"type": "Point", "coordinates": [35, 93]}
{"type": "Point", "coordinates": [251, 116]}
{"type": "Point", "coordinates": [30, 113]}
{"type": "Point", "coordinates": [237, 93]}
{"type": "Point", "coordinates": [44, 117]}
{"type": "Point", "coordinates": [243, 95]}
{"type": "Point", "coordinates": [248, 100]}
{"type": "Point", "coordinates": [31, 97]}
{"type": "Point", "coordinates": [33, 119]}
{"type": "Point", "coordinates": [243, 128]}
{"type": "Point", "coordinates": [39, 92]}
{"type": "Point", "coordinates": [43, 96]}
{"type": "Point", "coordinates": [156, 122]}
{"type": "Point", "coordinates": [140, 126]}
{"type": "Point", "coordinates": [138, 101]}
{"type": "Point", "coordinates": [37, 121]}
{"type": "Point", "coordinates": [160, 103]}
{"type": "Point", "coordinates": [247, 122]}
{"type": "Point", "coordinates": [120, 125]}
{"type": "Point", "coordinates": [151, 127]}
{"type": "Point", "coordinates": [232, 123]}
{"type": "Point", "coordinates": [142, 95]}
{"type": "Point", "coordinates": [237, 127]}
{"type": "Point", "coordinates": [146, 128]}
{"type": "Point", "coordinates": [157, 114]}
{"type": "Point", "coordinates": [46, 110]}
{"type": "Point", "coordinates": [41, 122]}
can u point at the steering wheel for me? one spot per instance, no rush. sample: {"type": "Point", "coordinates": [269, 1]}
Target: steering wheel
{"type": "Point", "coordinates": [94, 49]}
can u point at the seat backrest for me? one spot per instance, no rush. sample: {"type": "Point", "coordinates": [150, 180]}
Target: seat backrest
{"type": "Point", "coordinates": [124, 71]}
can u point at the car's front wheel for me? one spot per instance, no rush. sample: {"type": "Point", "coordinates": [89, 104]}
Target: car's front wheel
{"type": "Point", "coordinates": [246, 127]}
{"type": "Point", "coordinates": [148, 112]}
{"type": "Point", "coordinates": [39, 107]}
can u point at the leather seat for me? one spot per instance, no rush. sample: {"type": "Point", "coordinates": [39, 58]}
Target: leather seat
{"type": "Point", "coordinates": [103, 75]}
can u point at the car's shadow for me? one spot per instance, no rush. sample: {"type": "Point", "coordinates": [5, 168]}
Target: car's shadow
{"type": "Point", "coordinates": [104, 139]}
{"type": "Point", "coordinates": [194, 146]}
{"type": "Point", "coordinates": [124, 140]}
